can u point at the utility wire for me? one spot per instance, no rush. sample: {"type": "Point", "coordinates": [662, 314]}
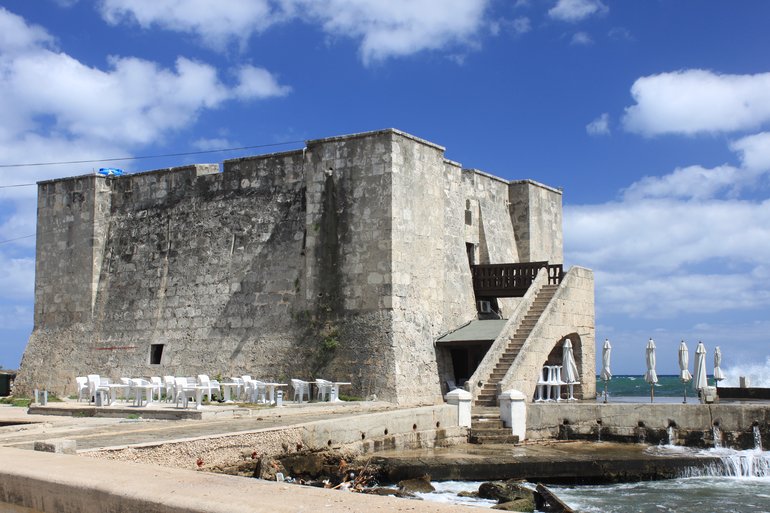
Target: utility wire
{"type": "Point", "coordinates": [17, 185]}
{"type": "Point", "coordinates": [17, 238]}
{"type": "Point", "coordinates": [115, 159]}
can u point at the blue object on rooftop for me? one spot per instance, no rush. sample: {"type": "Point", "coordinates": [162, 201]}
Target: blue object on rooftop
{"type": "Point", "coordinates": [110, 171]}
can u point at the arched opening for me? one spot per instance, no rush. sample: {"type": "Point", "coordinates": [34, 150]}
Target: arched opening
{"type": "Point", "coordinates": [556, 359]}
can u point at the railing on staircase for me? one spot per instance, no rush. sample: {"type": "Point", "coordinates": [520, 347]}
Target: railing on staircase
{"type": "Point", "coordinates": [511, 280]}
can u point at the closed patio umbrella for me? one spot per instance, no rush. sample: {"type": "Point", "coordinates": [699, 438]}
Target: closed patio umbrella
{"type": "Point", "coordinates": [650, 376]}
{"type": "Point", "coordinates": [606, 375]}
{"type": "Point", "coordinates": [700, 379]}
{"type": "Point", "coordinates": [570, 370]}
{"type": "Point", "coordinates": [718, 374]}
{"type": "Point", "coordinates": [684, 363]}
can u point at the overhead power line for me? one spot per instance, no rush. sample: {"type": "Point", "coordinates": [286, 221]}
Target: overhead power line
{"type": "Point", "coordinates": [143, 157]}
{"type": "Point", "coordinates": [17, 238]}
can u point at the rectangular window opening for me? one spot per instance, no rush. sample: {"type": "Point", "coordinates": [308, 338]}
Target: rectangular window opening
{"type": "Point", "coordinates": [156, 352]}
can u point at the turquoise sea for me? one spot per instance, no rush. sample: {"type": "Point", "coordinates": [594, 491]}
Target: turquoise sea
{"type": "Point", "coordinates": [627, 386]}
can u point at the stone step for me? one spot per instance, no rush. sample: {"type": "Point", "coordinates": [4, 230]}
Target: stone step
{"type": "Point", "coordinates": [484, 425]}
{"type": "Point", "coordinates": [493, 439]}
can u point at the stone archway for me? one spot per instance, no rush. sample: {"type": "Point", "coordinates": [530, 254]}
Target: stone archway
{"type": "Point", "coordinates": [555, 357]}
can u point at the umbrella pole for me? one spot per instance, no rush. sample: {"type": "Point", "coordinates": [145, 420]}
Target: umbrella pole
{"type": "Point", "coordinates": [652, 393]}
{"type": "Point", "coordinates": [605, 391]}
{"type": "Point", "coordinates": [685, 393]}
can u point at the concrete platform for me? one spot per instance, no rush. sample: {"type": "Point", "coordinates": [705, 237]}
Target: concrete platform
{"type": "Point", "coordinates": [547, 462]}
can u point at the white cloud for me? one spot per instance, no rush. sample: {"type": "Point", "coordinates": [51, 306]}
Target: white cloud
{"type": "Point", "coordinates": [17, 35]}
{"type": "Point", "coordinates": [258, 83]}
{"type": "Point", "coordinates": [384, 29]}
{"type": "Point", "coordinates": [664, 235]}
{"type": "Point", "coordinates": [576, 10]}
{"type": "Point", "coordinates": [694, 182]}
{"type": "Point", "coordinates": [599, 126]}
{"type": "Point", "coordinates": [217, 25]}
{"type": "Point", "coordinates": [516, 26]}
{"type": "Point", "coordinates": [217, 143]}
{"type": "Point", "coordinates": [88, 110]}
{"type": "Point", "coordinates": [18, 278]}
{"type": "Point", "coordinates": [56, 108]}
{"type": "Point", "coordinates": [581, 39]}
{"type": "Point", "coordinates": [754, 151]}
{"type": "Point", "coordinates": [398, 27]}
{"type": "Point", "coordinates": [696, 101]}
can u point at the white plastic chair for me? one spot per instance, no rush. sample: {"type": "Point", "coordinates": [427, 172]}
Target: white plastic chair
{"type": "Point", "coordinates": [82, 382]}
{"type": "Point", "coordinates": [323, 389]}
{"type": "Point", "coordinates": [141, 385]}
{"type": "Point", "coordinates": [239, 389]}
{"type": "Point", "coordinates": [301, 388]}
{"type": "Point", "coordinates": [157, 386]}
{"type": "Point", "coordinates": [543, 384]}
{"type": "Point", "coordinates": [96, 385]}
{"type": "Point", "coordinates": [183, 391]}
{"type": "Point", "coordinates": [168, 383]}
{"type": "Point", "coordinates": [212, 386]}
{"type": "Point", "coordinates": [556, 382]}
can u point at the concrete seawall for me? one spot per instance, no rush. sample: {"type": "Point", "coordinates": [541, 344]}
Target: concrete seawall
{"type": "Point", "coordinates": [59, 483]}
{"type": "Point", "coordinates": [692, 424]}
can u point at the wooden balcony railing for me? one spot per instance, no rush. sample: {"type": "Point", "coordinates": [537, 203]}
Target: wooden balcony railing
{"type": "Point", "coordinates": [510, 280]}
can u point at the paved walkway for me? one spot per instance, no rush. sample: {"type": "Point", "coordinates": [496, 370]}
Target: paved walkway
{"type": "Point", "coordinates": [20, 429]}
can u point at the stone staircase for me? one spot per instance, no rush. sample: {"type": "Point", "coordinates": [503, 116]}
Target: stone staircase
{"type": "Point", "coordinates": [488, 394]}
{"type": "Point", "coordinates": [487, 428]}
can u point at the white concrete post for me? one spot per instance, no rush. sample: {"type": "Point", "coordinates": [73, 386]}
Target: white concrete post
{"type": "Point", "coordinates": [462, 399]}
{"type": "Point", "coordinates": [513, 412]}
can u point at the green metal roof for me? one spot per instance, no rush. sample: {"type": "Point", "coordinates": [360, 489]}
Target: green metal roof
{"type": "Point", "coordinates": [475, 331]}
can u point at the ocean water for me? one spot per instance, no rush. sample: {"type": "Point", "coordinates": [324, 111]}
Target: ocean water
{"type": "Point", "coordinates": [739, 484]}
{"type": "Point", "coordinates": [635, 386]}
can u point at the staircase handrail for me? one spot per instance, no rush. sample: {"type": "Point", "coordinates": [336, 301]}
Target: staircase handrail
{"type": "Point", "coordinates": [487, 365]}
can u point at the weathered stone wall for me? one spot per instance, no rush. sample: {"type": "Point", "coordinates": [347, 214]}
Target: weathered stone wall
{"type": "Point", "coordinates": [418, 265]}
{"type": "Point", "coordinates": [345, 260]}
{"type": "Point", "coordinates": [536, 212]}
{"type": "Point", "coordinates": [692, 423]}
{"type": "Point", "coordinates": [348, 267]}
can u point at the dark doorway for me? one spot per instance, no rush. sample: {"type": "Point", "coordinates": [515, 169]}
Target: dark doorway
{"type": "Point", "coordinates": [156, 353]}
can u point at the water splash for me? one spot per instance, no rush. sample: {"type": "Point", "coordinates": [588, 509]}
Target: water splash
{"type": "Point", "coordinates": [717, 437]}
{"type": "Point", "coordinates": [671, 435]}
{"type": "Point", "coordinates": [757, 438]}
{"type": "Point", "coordinates": [738, 464]}
{"type": "Point", "coordinates": [758, 374]}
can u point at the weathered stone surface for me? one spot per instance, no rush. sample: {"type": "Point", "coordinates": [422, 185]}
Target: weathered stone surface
{"type": "Point", "coordinates": [57, 445]}
{"type": "Point", "coordinates": [419, 484]}
{"type": "Point", "coordinates": [345, 260]}
{"type": "Point", "coordinates": [506, 491]}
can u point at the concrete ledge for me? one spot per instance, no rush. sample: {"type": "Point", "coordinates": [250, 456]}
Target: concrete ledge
{"type": "Point", "coordinates": [168, 413]}
{"type": "Point", "coordinates": [57, 445]}
{"type": "Point", "coordinates": [60, 483]}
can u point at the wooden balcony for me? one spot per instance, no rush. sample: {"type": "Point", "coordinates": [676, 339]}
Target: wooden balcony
{"type": "Point", "coordinates": [510, 280]}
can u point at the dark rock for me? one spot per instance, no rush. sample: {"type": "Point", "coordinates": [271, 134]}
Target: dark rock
{"type": "Point", "coordinates": [471, 495]}
{"type": "Point", "coordinates": [517, 505]}
{"type": "Point", "coordinates": [395, 492]}
{"type": "Point", "coordinates": [420, 484]}
{"type": "Point", "coordinates": [505, 491]}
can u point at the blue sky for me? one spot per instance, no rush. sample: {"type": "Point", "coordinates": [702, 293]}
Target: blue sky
{"type": "Point", "coordinates": [654, 117]}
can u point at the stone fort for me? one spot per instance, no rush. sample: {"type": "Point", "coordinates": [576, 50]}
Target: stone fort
{"type": "Point", "coordinates": [368, 258]}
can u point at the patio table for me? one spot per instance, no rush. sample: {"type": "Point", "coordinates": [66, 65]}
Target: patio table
{"type": "Point", "coordinates": [226, 387]}
{"type": "Point", "coordinates": [335, 396]}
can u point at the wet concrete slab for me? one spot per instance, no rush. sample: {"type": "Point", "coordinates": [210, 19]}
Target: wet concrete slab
{"type": "Point", "coordinates": [552, 462]}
